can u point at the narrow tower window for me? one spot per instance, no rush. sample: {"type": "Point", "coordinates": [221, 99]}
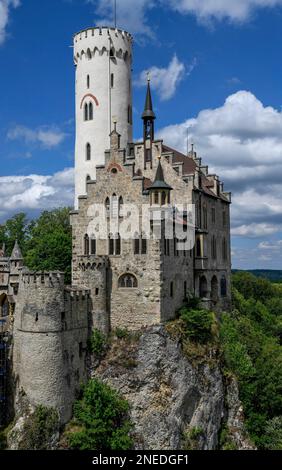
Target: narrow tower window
{"type": "Point", "coordinates": [112, 80]}
{"type": "Point", "coordinates": [90, 112]}
{"type": "Point", "coordinates": [86, 112]}
{"type": "Point", "coordinates": [88, 152]}
{"type": "Point", "coordinates": [88, 81]}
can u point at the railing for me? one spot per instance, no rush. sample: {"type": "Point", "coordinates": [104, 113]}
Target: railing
{"type": "Point", "coordinates": [201, 263]}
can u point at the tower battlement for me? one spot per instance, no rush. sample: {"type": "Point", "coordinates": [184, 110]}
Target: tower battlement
{"type": "Point", "coordinates": [49, 279]}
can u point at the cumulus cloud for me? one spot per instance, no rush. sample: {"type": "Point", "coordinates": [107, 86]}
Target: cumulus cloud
{"type": "Point", "coordinates": [34, 193]}
{"type": "Point", "coordinates": [5, 10]}
{"type": "Point", "coordinates": [46, 137]}
{"type": "Point", "coordinates": [206, 10]}
{"type": "Point", "coordinates": [132, 15]}
{"type": "Point", "coordinates": [165, 80]}
{"type": "Point", "coordinates": [242, 142]}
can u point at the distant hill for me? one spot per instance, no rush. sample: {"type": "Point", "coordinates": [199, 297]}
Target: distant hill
{"type": "Point", "coordinates": [271, 275]}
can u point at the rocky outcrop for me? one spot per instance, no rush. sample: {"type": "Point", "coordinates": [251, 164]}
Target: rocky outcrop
{"type": "Point", "coordinates": [177, 401]}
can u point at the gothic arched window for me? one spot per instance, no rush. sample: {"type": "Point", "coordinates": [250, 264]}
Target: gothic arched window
{"type": "Point", "coordinates": [93, 246]}
{"type": "Point", "coordinates": [128, 281]}
{"type": "Point", "coordinates": [88, 152]}
{"type": "Point", "coordinates": [108, 206]}
{"type": "Point", "coordinates": [86, 245]}
{"type": "Point", "coordinates": [223, 287]}
{"type": "Point", "coordinates": [4, 307]}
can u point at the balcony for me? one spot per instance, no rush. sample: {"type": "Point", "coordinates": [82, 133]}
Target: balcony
{"type": "Point", "coordinates": [201, 263]}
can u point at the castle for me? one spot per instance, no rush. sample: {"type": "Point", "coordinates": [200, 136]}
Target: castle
{"type": "Point", "coordinates": [117, 281]}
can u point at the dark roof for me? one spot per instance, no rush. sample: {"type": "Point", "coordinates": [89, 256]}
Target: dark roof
{"type": "Point", "coordinates": [159, 182]}
{"type": "Point", "coordinates": [148, 109]}
{"type": "Point", "coordinates": [189, 165]}
{"type": "Point", "coordinates": [16, 253]}
{"type": "Point", "coordinates": [189, 168]}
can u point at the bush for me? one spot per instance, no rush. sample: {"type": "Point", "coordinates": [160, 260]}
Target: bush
{"type": "Point", "coordinates": [97, 344]}
{"type": "Point", "coordinates": [100, 417]}
{"type": "Point", "coordinates": [3, 440]}
{"type": "Point", "coordinates": [122, 333]}
{"type": "Point", "coordinates": [39, 429]}
{"type": "Point", "coordinates": [198, 324]}
{"type": "Point", "coordinates": [273, 433]}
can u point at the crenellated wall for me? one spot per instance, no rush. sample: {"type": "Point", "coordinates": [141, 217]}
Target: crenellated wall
{"type": "Point", "coordinates": [50, 340]}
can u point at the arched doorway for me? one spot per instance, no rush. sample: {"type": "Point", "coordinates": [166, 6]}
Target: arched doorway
{"type": "Point", "coordinates": [203, 287]}
{"type": "Point", "coordinates": [214, 289]}
{"type": "Point", "coordinates": [4, 306]}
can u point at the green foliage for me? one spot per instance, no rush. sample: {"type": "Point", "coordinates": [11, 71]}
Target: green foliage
{"type": "Point", "coordinates": [39, 429]}
{"type": "Point", "coordinates": [50, 244]}
{"type": "Point", "coordinates": [251, 341]}
{"type": "Point", "coordinates": [100, 420]}
{"type": "Point", "coordinates": [46, 243]}
{"type": "Point", "coordinates": [198, 324]}
{"type": "Point", "coordinates": [273, 433]}
{"type": "Point", "coordinates": [122, 333]}
{"type": "Point", "coordinates": [16, 228]}
{"type": "Point", "coordinates": [252, 287]}
{"type": "Point", "coordinates": [98, 344]}
{"type": "Point", "coordinates": [3, 440]}
{"type": "Point", "coordinates": [191, 438]}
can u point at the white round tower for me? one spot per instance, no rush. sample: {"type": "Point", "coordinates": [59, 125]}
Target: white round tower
{"type": "Point", "coordinates": [103, 60]}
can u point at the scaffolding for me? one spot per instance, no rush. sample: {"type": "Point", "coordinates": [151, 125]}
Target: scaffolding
{"type": "Point", "coordinates": [4, 347]}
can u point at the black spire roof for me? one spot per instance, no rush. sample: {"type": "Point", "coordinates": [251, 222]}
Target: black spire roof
{"type": "Point", "coordinates": [148, 110]}
{"type": "Point", "coordinates": [159, 182]}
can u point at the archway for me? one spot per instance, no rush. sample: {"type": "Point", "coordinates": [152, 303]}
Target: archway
{"type": "Point", "coordinates": [203, 287]}
{"type": "Point", "coordinates": [214, 289]}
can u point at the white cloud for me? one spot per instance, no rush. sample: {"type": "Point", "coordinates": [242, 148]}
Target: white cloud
{"type": "Point", "coordinates": [47, 137]}
{"type": "Point", "coordinates": [254, 230]}
{"type": "Point", "coordinates": [274, 246]}
{"type": "Point", "coordinates": [233, 10]}
{"type": "Point", "coordinates": [132, 15]}
{"type": "Point", "coordinates": [242, 142]}
{"type": "Point", "coordinates": [5, 10]}
{"type": "Point", "coordinates": [34, 193]}
{"type": "Point", "coordinates": [165, 80]}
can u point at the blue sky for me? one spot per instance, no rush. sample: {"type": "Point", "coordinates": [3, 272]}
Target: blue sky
{"type": "Point", "coordinates": [216, 68]}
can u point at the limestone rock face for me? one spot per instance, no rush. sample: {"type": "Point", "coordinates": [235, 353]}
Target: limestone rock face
{"type": "Point", "coordinates": [175, 403]}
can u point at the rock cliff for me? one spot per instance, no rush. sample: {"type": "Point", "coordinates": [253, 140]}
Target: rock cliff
{"type": "Point", "coordinates": [179, 400]}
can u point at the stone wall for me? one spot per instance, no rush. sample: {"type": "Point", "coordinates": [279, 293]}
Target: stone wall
{"type": "Point", "coordinates": [50, 340]}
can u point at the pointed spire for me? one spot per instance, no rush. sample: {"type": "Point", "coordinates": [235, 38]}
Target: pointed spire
{"type": "Point", "coordinates": [16, 253]}
{"type": "Point", "coordinates": [159, 182]}
{"type": "Point", "coordinates": [148, 109]}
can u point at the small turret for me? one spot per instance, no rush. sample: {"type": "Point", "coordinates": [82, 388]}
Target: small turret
{"type": "Point", "coordinates": [16, 253]}
{"type": "Point", "coordinates": [160, 190]}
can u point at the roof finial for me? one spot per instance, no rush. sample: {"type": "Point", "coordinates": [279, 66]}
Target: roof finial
{"type": "Point", "coordinates": [148, 76]}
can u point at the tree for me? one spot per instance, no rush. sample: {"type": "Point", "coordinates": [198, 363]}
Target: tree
{"type": "Point", "coordinates": [101, 419]}
{"type": "Point", "coordinates": [16, 228]}
{"type": "Point", "coordinates": [49, 247]}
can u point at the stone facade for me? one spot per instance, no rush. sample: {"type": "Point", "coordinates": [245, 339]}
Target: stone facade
{"type": "Point", "coordinates": [117, 281]}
